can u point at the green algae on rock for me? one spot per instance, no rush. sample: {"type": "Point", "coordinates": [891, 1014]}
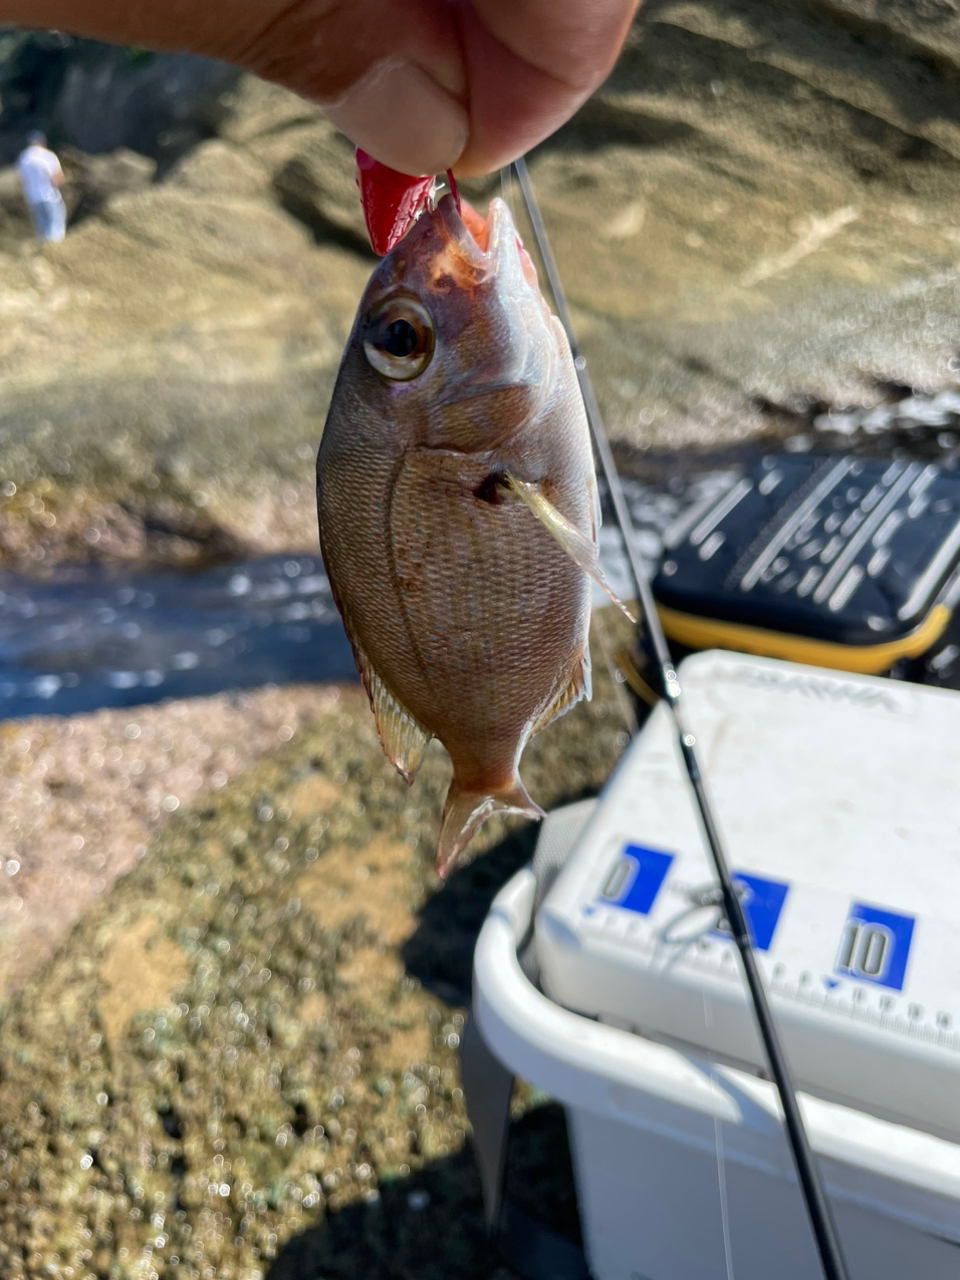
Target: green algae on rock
{"type": "Point", "coordinates": [245, 1034]}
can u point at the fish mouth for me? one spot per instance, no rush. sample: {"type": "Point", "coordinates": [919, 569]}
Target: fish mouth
{"type": "Point", "coordinates": [491, 246]}
{"type": "Point", "coordinates": [488, 252]}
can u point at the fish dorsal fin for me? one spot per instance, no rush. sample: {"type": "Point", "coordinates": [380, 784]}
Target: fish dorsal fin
{"type": "Point", "coordinates": [404, 739]}
{"type": "Point", "coordinates": [580, 686]}
{"type": "Point", "coordinates": [581, 549]}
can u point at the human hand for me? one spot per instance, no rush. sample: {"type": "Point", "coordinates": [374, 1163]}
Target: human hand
{"type": "Point", "coordinates": [422, 85]}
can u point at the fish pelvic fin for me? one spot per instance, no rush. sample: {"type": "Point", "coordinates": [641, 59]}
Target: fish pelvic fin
{"type": "Point", "coordinates": [580, 686]}
{"type": "Point", "coordinates": [578, 546]}
{"type": "Point", "coordinates": [403, 738]}
{"type": "Point", "coordinates": [467, 809]}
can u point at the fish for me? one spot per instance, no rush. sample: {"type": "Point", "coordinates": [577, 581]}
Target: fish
{"type": "Point", "coordinates": [458, 509]}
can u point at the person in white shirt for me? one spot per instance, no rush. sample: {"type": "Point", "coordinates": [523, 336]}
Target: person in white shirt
{"type": "Point", "coordinates": [40, 177]}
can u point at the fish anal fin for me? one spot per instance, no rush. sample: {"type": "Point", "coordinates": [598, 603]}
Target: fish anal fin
{"type": "Point", "coordinates": [580, 686]}
{"type": "Point", "coordinates": [467, 809]}
{"type": "Point", "coordinates": [578, 546]}
{"type": "Point", "coordinates": [404, 739]}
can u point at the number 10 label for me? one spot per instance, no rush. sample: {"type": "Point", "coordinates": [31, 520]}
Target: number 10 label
{"type": "Point", "coordinates": [875, 946]}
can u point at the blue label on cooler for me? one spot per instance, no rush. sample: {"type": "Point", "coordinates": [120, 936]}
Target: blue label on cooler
{"type": "Point", "coordinates": [636, 879]}
{"type": "Point", "coordinates": [875, 946]}
{"type": "Point", "coordinates": [762, 901]}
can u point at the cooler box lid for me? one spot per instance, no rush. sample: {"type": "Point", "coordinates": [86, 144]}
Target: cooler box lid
{"type": "Point", "coordinates": [836, 796]}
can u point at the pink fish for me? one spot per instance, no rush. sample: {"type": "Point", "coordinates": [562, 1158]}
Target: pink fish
{"type": "Point", "coordinates": [458, 509]}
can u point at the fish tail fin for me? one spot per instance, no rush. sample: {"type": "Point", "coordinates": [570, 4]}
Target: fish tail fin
{"type": "Point", "coordinates": [467, 809]}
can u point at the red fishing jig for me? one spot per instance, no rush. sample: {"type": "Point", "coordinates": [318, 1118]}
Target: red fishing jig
{"type": "Point", "coordinates": [392, 201]}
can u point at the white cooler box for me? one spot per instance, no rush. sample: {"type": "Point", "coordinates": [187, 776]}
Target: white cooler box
{"type": "Point", "coordinates": [838, 798]}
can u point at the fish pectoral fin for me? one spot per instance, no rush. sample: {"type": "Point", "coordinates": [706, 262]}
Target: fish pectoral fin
{"type": "Point", "coordinates": [466, 810]}
{"type": "Point", "coordinates": [579, 687]}
{"type": "Point", "coordinates": [581, 549]}
{"type": "Point", "coordinates": [404, 739]}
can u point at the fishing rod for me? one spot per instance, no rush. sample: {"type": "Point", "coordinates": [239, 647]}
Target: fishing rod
{"type": "Point", "coordinates": [817, 1205]}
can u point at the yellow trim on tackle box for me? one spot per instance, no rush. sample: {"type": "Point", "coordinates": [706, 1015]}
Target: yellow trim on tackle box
{"type": "Point", "coordinates": [867, 659]}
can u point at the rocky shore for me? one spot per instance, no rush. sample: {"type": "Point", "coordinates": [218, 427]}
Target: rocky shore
{"type": "Point", "coordinates": [232, 988]}
{"type": "Point", "coordinates": [755, 221]}
{"type": "Point", "coordinates": [254, 1028]}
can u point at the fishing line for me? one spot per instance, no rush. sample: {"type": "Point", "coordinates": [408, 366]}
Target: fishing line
{"type": "Point", "coordinates": [618, 662]}
{"type": "Point", "coordinates": [718, 1144]}
{"type": "Point", "coordinates": [811, 1185]}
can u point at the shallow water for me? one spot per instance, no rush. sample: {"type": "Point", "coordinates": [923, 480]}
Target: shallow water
{"type": "Point", "coordinates": [93, 636]}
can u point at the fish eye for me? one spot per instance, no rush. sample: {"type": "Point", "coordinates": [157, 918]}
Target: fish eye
{"type": "Point", "coordinates": [399, 341]}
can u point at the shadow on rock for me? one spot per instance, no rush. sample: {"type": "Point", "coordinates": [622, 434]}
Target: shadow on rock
{"type": "Point", "coordinates": [440, 951]}
{"type": "Point", "coordinates": [426, 1227]}
{"type": "Point", "coordinates": [430, 1226]}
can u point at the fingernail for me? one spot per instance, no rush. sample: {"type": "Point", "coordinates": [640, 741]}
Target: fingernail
{"type": "Point", "coordinates": [403, 118]}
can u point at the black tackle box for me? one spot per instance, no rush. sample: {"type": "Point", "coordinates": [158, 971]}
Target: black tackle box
{"type": "Point", "coordinates": [837, 561]}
